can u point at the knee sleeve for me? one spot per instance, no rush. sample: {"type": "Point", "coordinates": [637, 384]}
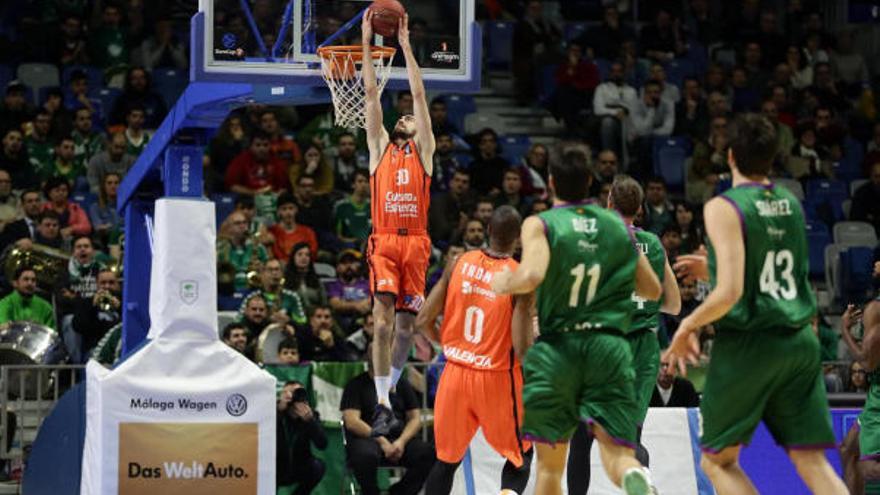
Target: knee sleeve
{"type": "Point", "coordinates": [516, 478]}
{"type": "Point", "coordinates": [440, 479]}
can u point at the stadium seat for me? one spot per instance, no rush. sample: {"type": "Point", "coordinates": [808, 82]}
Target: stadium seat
{"type": "Point", "coordinates": [170, 83]}
{"type": "Point", "coordinates": [855, 234]}
{"type": "Point", "coordinates": [546, 83]}
{"type": "Point", "coordinates": [230, 303]}
{"type": "Point", "coordinates": [476, 122]}
{"type": "Point", "coordinates": [677, 70]}
{"type": "Point", "coordinates": [464, 158]}
{"type": "Point", "coordinates": [514, 147]}
{"type": "Point", "coordinates": [325, 271]}
{"type": "Point", "coordinates": [792, 185]}
{"type": "Point", "coordinates": [855, 185]}
{"type": "Point", "coordinates": [856, 270]}
{"type": "Point", "coordinates": [850, 165]}
{"type": "Point", "coordinates": [604, 67]}
{"type": "Point", "coordinates": [500, 38]}
{"type": "Point", "coordinates": [84, 200]}
{"type": "Point", "coordinates": [6, 74]}
{"type": "Point", "coordinates": [817, 238]}
{"type": "Point", "coordinates": [698, 56]}
{"type": "Point", "coordinates": [846, 206]}
{"type": "Point", "coordinates": [832, 269]}
{"type": "Point", "coordinates": [827, 189]}
{"type": "Point", "coordinates": [458, 107]}
{"type": "Point", "coordinates": [36, 76]}
{"type": "Point", "coordinates": [106, 97]}
{"type": "Point", "coordinates": [670, 155]}
{"type": "Point", "coordinates": [224, 204]}
{"type": "Point", "coordinates": [573, 30]}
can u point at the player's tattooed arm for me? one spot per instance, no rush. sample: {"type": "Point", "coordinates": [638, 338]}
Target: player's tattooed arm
{"type": "Point", "coordinates": [671, 304]}
{"type": "Point", "coordinates": [522, 326]}
{"type": "Point", "coordinates": [533, 267]}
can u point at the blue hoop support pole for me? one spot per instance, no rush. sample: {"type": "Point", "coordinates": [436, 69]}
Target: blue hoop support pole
{"type": "Point", "coordinates": [286, 21]}
{"type": "Point", "coordinates": [254, 29]}
{"type": "Point", "coordinates": [309, 41]}
{"type": "Point", "coordinates": [345, 27]}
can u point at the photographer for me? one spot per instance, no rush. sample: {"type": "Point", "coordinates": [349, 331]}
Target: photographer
{"type": "Point", "coordinates": [94, 316]}
{"type": "Point", "coordinates": [298, 429]}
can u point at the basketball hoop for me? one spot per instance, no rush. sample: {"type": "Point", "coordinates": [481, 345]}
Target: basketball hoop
{"type": "Point", "coordinates": [341, 69]}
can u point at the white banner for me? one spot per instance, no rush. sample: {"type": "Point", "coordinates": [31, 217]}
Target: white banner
{"type": "Point", "coordinates": [185, 414]}
{"type": "Point", "coordinates": [667, 436]}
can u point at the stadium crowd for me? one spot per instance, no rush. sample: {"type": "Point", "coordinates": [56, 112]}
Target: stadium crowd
{"type": "Point", "coordinates": [650, 98]}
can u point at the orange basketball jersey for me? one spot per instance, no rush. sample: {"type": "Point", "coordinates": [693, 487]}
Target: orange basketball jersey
{"type": "Point", "coordinates": [401, 192]}
{"type": "Point", "coordinates": [476, 322]}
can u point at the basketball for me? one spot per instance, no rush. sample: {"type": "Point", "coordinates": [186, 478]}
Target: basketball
{"type": "Point", "coordinates": [386, 16]}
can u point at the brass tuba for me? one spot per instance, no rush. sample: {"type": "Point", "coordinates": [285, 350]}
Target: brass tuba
{"type": "Point", "coordinates": [48, 263]}
{"type": "Point", "coordinates": [267, 343]}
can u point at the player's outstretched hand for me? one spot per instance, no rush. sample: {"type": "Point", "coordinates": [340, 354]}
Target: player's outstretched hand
{"type": "Point", "coordinates": [684, 349]}
{"type": "Point", "coordinates": [403, 31]}
{"type": "Point", "coordinates": [850, 317]}
{"type": "Point", "coordinates": [501, 281]}
{"type": "Point", "coordinates": [692, 267]}
{"type": "Point", "coordinates": [367, 27]}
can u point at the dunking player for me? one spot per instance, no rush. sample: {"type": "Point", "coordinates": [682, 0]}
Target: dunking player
{"type": "Point", "coordinates": [765, 361]}
{"type": "Point", "coordinates": [626, 197]}
{"type": "Point", "coordinates": [483, 336]}
{"type": "Point", "coordinates": [399, 247]}
{"type": "Point", "coordinates": [583, 261]}
{"type": "Point", "coordinates": [860, 451]}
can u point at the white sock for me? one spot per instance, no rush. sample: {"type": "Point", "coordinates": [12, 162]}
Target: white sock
{"type": "Point", "coordinates": [395, 376]}
{"type": "Point", "coordinates": [383, 387]}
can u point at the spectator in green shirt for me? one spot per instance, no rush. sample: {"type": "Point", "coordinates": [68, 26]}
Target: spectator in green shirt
{"type": "Point", "coordinates": [23, 304]}
{"type": "Point", "coordinates": [39, 147]}
{"type": "Point", "coordinates": [352, 214]}
{"type": "Point", "coordinates": [239, 250]}
{"type": "Point", "coordinates": [108, 44]}
{"type": "Point", "coordinates": [87, 142]}
{"type": "Point", "coordinates": [66, 166]}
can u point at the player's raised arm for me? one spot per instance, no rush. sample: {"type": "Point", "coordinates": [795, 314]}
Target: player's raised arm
{"type": "Point", "coordinates": [671, 304]}
{"type": "Point", "coordinates": [533, 267]}
{"type": "Point", "coordinates": [725, 231]}
{"type": "Point", "coordinates": [424, 134]}
{"type": "Point", "coordinates": [377, 136]}
{"type": "Point", "coordinates": [871, 340]}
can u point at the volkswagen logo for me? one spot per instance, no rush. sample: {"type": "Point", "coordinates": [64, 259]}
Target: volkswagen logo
{"type": "Point", "coordinates": [236, 405]}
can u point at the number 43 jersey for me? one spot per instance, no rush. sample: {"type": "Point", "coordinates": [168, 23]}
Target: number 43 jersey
{"type": "Point", "coordinates": [476, 328]}
{"type": "Point", "coordinates": [591, 276]}
{"type": "Point", "coordinates": [776, 286]}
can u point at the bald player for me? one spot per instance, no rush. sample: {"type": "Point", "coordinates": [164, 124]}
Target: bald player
{"type": "Point", "coordinates": [483, 336]}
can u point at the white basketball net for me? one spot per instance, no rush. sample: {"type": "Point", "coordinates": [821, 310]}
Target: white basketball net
{"type": "Point", "coordinates": [341, 70]}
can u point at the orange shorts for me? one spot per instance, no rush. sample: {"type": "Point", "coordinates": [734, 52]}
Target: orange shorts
{"type": "Point", "coordinates": [468, 399]}
{"type": "Point", "coordinates": [398, 264]}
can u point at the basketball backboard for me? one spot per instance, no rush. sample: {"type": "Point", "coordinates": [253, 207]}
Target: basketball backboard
{"type": "Point", "coordinates": [275, 41]}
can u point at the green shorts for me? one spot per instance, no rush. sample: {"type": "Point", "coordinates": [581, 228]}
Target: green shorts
{"type": "Point", "coordinates": [774, 377]}
{"type": "Point", "coordinates": [579, 376]}
{"type": "Point", "coordinates": [646, 363]}
{"type": "Point", "coordinates": [869, 426]}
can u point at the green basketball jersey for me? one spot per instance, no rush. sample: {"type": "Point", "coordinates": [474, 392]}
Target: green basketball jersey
{"type": "Point", "coordinates": [776, 286]}
{"type": "Point", "coordinates": [591, 275]}
{"type": "Point", "coordinates": [647, 313]}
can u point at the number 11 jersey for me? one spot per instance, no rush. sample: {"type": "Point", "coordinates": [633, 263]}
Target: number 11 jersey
{"type": "Point", "coordinates": [591, 276]}
{"type": "Point", "coordinates": [776, 286]}
{"type": "Point", "coordinates": [476, 330]}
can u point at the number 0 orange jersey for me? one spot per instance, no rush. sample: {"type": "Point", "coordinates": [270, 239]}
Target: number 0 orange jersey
{"type": "Point", "coordinates": [476, 328]}
{"type": "Point", "coordinates": [401, 191]}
